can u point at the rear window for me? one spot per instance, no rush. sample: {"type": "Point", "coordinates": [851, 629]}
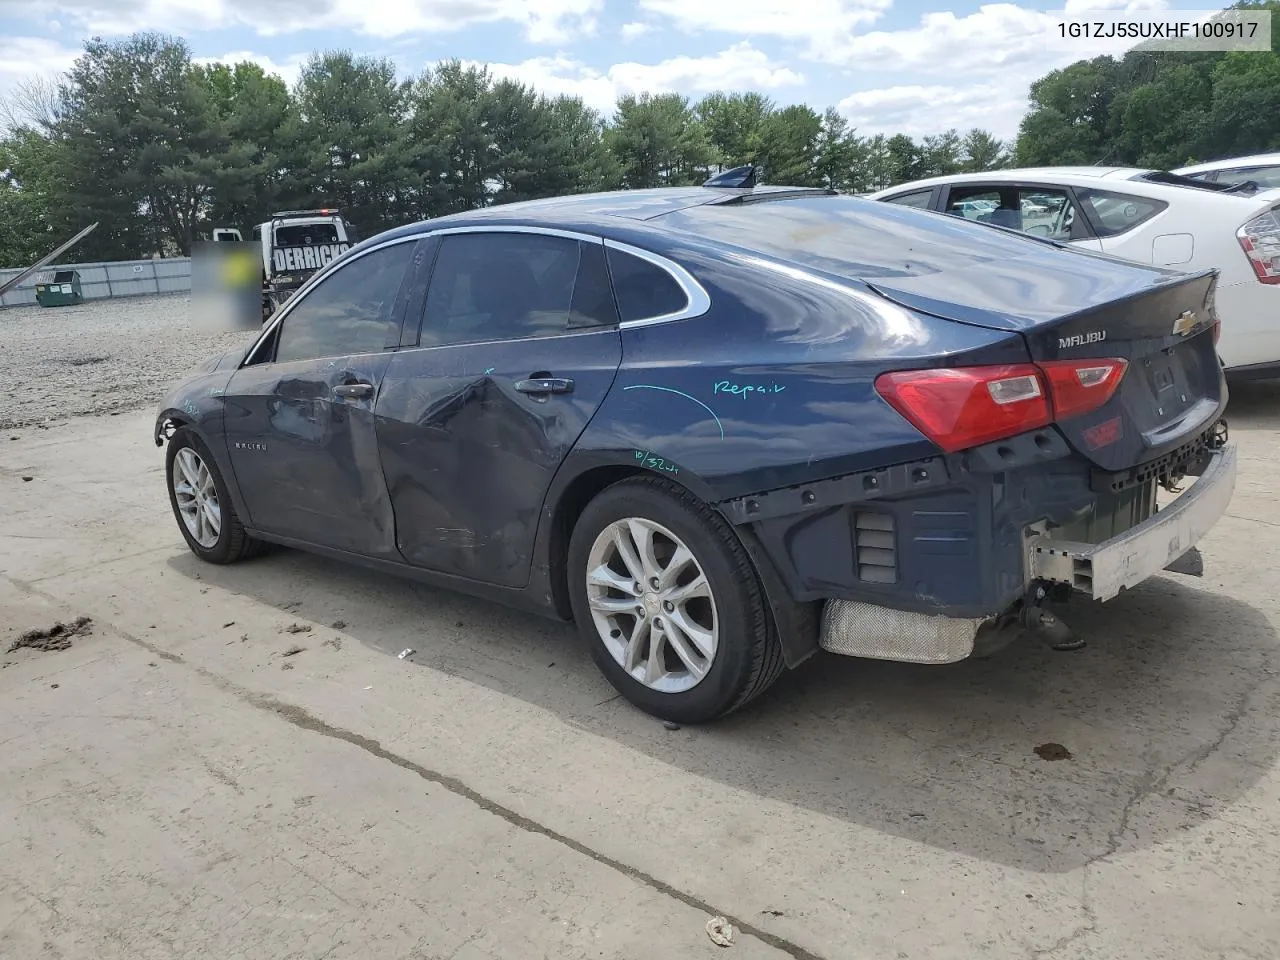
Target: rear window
{"type": "Point", "coordinates": [299, 235]}
{"type": "Point", "coordinates": [1114, 213]}
{"type": "Point", "coordinates": [1265, 177]}
{"type": "Point", "coordinates": [850, 237]}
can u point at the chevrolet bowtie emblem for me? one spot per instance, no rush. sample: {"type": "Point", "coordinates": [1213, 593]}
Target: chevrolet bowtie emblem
{"type": "Point", "coordinates": [1185, 323]}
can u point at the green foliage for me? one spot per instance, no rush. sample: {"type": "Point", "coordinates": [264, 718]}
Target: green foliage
{"type": "Point", "coordinates": [1156, 109]}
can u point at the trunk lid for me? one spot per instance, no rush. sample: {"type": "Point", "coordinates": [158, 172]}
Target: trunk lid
{"type": "Point", "coordinates": [1173, 388]}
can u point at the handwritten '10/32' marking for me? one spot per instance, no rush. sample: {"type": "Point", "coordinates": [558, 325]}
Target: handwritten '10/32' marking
{"type": "Point", "coordinates": [656, 463]}
{"type": "Point", "coordinates": [742, 389]}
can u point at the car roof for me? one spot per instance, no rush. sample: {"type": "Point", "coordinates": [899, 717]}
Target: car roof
{"type": "Point", "coordinates": [1018, 174]}
{"type": "Point", "coordinates": [1255, 160]}
{"type": "Point", "coordinates": [612, 213]}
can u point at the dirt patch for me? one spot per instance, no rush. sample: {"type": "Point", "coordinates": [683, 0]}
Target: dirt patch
{"type": "Point", "coordinates": [57, 637]}
{"type": "Point", "coordinates": [1053, 751]}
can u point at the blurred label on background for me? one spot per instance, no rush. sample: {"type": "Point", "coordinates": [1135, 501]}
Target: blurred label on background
{"type": "Point", "coordinates": [226, 285]}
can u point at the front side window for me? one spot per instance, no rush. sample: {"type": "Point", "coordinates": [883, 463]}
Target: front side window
{"type": "Point", "coordinates": [1114, 213]}
{"type": "Point", "coordinates": [499, 286]}
{"type": "Point", "coordinates": [352, 311]}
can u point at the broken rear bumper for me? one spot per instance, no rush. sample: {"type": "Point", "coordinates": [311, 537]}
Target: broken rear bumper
{"type": "Point", "coordinates": [1103, 569]}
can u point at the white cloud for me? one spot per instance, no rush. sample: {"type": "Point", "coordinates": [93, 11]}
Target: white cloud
{"type": "Point", "coordinates": [973, 70]}
{"type": "Point", "coordinates": [543, 21]}
{"type": "Point", "coordinates": [634, 29]}
{"type": "Point", "coordinates": [825, 26]}
{"type": "Point", "coordinates": [26, 58]}
{"type": "Point", "coordinates": [287, 71]}
{"type": "Point", "coordinates": [740, 67]}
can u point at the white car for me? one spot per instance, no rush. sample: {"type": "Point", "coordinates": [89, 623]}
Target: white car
{"type": "Point", "coordinates": [1262, 169]}
{"type": "Point", "coordinates": [1145, 215]}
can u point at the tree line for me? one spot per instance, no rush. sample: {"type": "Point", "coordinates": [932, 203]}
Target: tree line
{"type": "Point", "coordinates": [159, 148]}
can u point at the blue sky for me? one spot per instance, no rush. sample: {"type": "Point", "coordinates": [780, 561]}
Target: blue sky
{"type": "Point", "coordinates": [889, 65]}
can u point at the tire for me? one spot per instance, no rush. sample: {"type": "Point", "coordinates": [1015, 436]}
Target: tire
{"type": "Point", "coordinates": [733, 623]}
{"type": "Point", "coordinates": [231, 542]}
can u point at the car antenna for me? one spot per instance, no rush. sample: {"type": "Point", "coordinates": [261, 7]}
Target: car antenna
{"type": "Point", "coordinates": [742, 177]}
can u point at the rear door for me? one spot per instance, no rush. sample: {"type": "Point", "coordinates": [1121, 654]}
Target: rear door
{"type": "Point", "coordinates": [514, 349]}
{"type": "Point", "coordinates": [1040, 210]}
{"type": "Point", "coordinates": [299, 416]}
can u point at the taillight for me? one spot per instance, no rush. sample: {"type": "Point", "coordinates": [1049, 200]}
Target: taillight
{"type": "Point", "coordinates": [1260, 240]}
{"type": "Point", "coordinates": [964, 407]}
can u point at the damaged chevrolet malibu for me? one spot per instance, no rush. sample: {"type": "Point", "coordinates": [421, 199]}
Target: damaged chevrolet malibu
{"type": "Point", "coordinates": [723, 427]}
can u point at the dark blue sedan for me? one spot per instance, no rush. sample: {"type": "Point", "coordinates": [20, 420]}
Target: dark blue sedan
{"type": "Point", "coordinates": [722, 428]}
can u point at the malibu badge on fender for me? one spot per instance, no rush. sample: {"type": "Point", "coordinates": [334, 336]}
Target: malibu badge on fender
{"type": "Point", "coordinates": [307, 258]}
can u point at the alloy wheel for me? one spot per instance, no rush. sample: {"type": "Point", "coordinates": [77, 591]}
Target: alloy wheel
{"type": "Point", "coordinates": [197, 498]}
{"type": "Point", "coordinates": [652, 605]}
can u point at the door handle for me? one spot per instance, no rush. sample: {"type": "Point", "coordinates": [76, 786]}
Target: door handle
{"type": "Point", "coordinates": [353, 391]}
{"type": "Point", "coordinates": [544, 385]}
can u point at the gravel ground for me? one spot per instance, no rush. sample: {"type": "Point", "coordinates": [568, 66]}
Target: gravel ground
{"type": "Point", "coordinates": [105, 356]}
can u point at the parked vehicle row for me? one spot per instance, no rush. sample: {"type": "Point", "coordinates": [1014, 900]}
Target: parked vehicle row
{"type": "Point", "coordinates": [1146, 216]}
{"type": "Point", "coordinates": [723, 427]}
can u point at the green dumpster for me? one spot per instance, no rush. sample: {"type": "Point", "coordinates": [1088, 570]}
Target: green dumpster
{"type": "Point", "coordinates": [63, 290]}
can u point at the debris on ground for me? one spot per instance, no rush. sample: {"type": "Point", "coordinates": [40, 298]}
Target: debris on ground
{"type": "Point", "coordinates": [229, 623]}
{"type": "Point", "coordinates": [671, 724]}
{"type": "Point", "coordinates": [27, 479]}
{"type": "Point", "coordinates": [339, 624]}
{"type": "Point", "coordinates": [57, 637]}
{"type": "Point", "coordinates": [720, 931]}
{"type": "Point", "coordinates": [298, 628]}
{"type": "Point", "coordinates": [286, 666]}
{"type": "Point", "coordinates": [773, 913]}
{"type": "Point", "coordinates": [407, 652]}
{"type": "Point", "coordinates": [333, 642]}
{"type": "Point", "coordinates": [293, 651]}
{"type": "Point", "coordinates": [1053, 751]}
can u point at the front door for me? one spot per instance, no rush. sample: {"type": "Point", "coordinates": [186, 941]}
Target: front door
{"type": "Point", "coordinates": [517, 348]}
{"type": "Point", "coordinates": [299, 421]}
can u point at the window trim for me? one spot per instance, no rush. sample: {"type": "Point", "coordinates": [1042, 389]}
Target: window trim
{"type": "Point", "coordinates": [931, 204]}
{"type": "Point", "coordinates": [698, 301]}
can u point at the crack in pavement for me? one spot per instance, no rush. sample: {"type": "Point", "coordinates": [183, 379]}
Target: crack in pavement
{"type": "Point", "coordinates": [304, 720]}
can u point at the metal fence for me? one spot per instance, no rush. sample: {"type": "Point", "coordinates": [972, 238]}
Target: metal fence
{"type": "Point", "coordinates": [127, 278]}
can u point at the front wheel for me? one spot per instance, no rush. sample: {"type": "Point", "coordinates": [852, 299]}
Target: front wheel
{"type": "Point", "coordinates": [669, 603]}
{"type": "Point", "coordinates": [201, 503]}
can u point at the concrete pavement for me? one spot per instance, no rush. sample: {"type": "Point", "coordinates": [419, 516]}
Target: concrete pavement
{"type": "Point", "coordinates": [187, 790]}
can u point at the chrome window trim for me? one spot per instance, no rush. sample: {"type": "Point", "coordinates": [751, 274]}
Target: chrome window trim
{"type": "Point", "coordinates": [316, 278]}
{"type": "Point", "coordinates": [697, 300]}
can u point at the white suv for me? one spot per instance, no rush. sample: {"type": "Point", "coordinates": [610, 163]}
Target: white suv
{"type": "Point", "coordinates": [1145, 215]}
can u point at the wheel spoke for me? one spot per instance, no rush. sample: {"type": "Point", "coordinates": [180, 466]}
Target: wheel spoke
{"type": "Point", "coordinates": [671, 572]}
{"type": "Point", "coordinates": [642, 537]}
{"type": "Point", "coordinates": [627, 551]}
{"type": "Point", "coordinates": [635, 646]}
{"type": "Point", "coordinates": [190, 470]}
{"type": "Point", "coordinates": [655, 668]}
{"type": "Point", "coordinates": [604, 576]}
{"type": "Point", "coordinates": [697, 587]}
{"type": "Point", "coordinates": [695, 662]}
{"type": "Point", "coordinates": [213, 516]}
{"type": "Point", "coordinates": [613, 605]}
{"type": "Point", "coordinates": [703, 640]}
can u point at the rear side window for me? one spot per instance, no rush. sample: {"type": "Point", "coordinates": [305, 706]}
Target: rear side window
{"type": "Point", "coordinates": [1114, 213]}
{"type": "Point", "coordinates": [643, 289]}
{"type": "Point", "coordinates": [499, 286]}
{"type": "Point", "coordinates": [918, 199]}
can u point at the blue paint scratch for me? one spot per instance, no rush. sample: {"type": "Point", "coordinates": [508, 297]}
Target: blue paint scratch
{"type": "Point", "coordinates": [680, 393]}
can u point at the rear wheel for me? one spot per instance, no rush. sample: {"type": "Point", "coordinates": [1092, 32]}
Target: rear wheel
{"type": "Point", "coordinates": [669, 603]}
{"type": "Point", "coordinates": [201, 503]}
